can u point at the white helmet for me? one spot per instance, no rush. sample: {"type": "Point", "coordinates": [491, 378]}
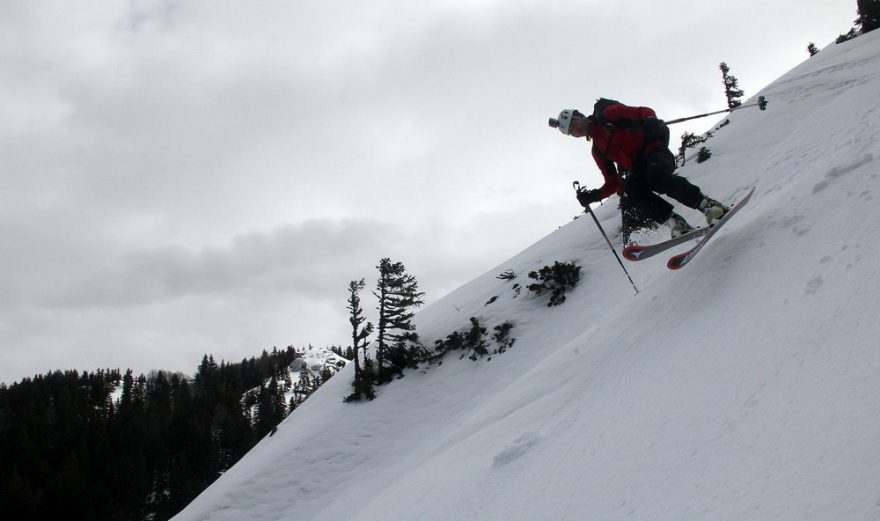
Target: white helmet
{"type": "Point", "coordinates": [564, 121]}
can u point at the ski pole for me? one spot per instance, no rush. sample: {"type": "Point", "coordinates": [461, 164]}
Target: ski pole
{"type": "Point", "coordinates": [761, 104]}
{"type": "Point", "coordinates": [577, 188]}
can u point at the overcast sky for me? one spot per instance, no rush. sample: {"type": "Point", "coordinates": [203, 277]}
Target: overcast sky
{"type": "Point", "coordinates": [181, 178]}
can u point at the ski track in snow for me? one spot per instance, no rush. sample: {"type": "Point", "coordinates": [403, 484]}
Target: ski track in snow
{"type": "Point", "coordinates": [742, 387]}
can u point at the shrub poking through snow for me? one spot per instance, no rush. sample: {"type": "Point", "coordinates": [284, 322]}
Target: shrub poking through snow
{"type": "Point", "coordinates": [703, 155]}
{"type": "Point", "coordinates": [556, 279]}
{"type": "Point", "coordinates": [502, 336]}
{"type": "Point", "coordinates": [473, 340]}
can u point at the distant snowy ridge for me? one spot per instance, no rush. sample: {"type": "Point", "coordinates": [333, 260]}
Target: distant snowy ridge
{"type": "Point", "coordinates": [319, 363]}
{"type": "Point", "coordinates": [744, 387]}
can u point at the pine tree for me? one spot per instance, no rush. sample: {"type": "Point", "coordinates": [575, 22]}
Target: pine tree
{"type": "Point", "coordinates": [263, 417]}
{"type": "Point", "coordinates": [279, 404]}
{"type": "Point", "coordinates": [869, 15]}
{"type": "Point", "coordinates": [304, 384]}
{"type": "Point", "coordinates": [731, 89]}
{"type": "Point", "coordinates": [398, 342]}
{"type": "Point", "coordinates": [363, 385]}
{"type": "Point", "coordinates": [125, 402]}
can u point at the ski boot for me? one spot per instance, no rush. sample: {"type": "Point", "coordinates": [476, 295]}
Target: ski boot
{"type": "Point", "coordinates": [678, 226]}
{"type": "Point", "coordinates": [712, 209]}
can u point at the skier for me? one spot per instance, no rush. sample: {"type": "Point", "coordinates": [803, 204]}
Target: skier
{"type": "Point", "coordinates": [636, 141]}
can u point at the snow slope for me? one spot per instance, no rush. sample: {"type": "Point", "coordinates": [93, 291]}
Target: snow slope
{"type": "Point", "coordinates": [744, 387]}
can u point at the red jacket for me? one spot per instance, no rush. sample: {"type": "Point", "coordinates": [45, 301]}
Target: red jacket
{"type": "Point", "coordinates": [616, 143]}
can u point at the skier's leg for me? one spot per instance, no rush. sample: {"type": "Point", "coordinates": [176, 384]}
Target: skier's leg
{"type": "Point", "coordinates": [642, 196]}
{"type": "Point", "coordinates": [654, 206]}
{"type": "Point", "coordinates": [660, 177]}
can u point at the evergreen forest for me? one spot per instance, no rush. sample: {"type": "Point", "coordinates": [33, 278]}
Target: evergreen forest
{"type": "Point", "coordinates": [107, 445]}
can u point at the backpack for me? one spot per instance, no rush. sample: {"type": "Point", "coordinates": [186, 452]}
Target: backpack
{"type": "Point", "coordinates": [600, 105]}
{"type": "Point", "coordinates": [657, 132]}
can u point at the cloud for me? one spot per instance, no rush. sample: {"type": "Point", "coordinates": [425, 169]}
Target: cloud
{"type": "Point", "coordinates": [172, 304]}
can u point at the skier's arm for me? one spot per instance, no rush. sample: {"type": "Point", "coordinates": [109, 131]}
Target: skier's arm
{"type": "Point", "coordinates": [609, 172]}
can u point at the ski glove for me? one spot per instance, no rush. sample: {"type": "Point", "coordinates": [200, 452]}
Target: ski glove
{"type": "Point", "coordinates": [587, 197]}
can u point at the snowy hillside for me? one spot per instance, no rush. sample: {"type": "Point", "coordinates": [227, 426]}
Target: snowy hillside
{"type": "Point", "coordinates": [744, 387]}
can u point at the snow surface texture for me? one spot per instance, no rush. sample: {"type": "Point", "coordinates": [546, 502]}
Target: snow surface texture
{"type": "Point", "coordinates": [746, 386]}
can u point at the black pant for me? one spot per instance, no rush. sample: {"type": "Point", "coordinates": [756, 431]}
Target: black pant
{"type": "Point", "coordinates": [656, 173]}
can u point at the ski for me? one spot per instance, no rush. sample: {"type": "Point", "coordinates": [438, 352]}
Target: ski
{"type": "Point", "coordinates": [637, 252]}
{"type": "Point", "coordinates": [679, 261]}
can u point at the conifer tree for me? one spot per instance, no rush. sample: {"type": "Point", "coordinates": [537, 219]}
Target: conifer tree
{"type": "Point", "coordinates": [271, 407]}
{"type": "Point", "coordinates": [869, 14]}
{"type": "Point", "coordinates": [398, 293]}
{"type": "Point", "coordinates": [731, 89]}
{"type": "Point", "coordinates": [125, 402]}
{"type": "Point", "coordinates": [363, 382]}
{"type": "Point", "coordinates": [303, 387]}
